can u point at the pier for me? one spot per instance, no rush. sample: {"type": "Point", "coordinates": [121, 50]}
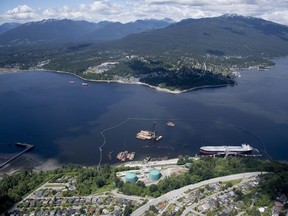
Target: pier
{"type": "Point", "coordinates": [27, 148]}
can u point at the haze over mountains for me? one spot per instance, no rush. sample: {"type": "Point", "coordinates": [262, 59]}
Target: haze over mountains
{"type": "Point", "coordinates": [8, 26]}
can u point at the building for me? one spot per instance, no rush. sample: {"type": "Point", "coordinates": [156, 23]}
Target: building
{"type": "Point", "coordinates": [154, 175]}
{"type": "Point", "coordinates": [130, 177]}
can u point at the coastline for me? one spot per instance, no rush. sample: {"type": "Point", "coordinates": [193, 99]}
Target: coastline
{"type": "Point", "coordinates": [28, 161]}
{"type": "Point", "coordinates": [143, 84]}
{"type": "Point", "coordinates": [14, 70]}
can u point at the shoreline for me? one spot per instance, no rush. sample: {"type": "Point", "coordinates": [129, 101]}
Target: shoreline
{"type": "Point", "coordinates": [141, 83]}
{"type": "Point", "coordinates": [157, 88]}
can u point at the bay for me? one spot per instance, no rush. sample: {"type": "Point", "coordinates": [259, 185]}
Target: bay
{"type": "Point", "coordinates": [64, 121]}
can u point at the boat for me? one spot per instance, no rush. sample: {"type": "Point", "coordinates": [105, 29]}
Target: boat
{"type": "Point", "coordinates": [123, 156]}
{"type": "Point", "coordinates": [170, 124]}
{"type": "Point", "coordinates": [131, 156]}
{"type": "Point", "coordinates": [144, 135]}
{"type": "Point", "coordinates": [72, 81]}
{"type": "Point", "coordinates": [84, 84]}
{"type": "Point", "coordinates": [146, 159]}
{"type": "Point", "coordinates": [148, 135]}
{"type": "Point", "coordinates": [157, 138]}
{"type": "Point", "coordinates": [214, 150]}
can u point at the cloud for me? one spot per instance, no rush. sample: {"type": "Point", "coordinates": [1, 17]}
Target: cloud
{"type": "Point", "coordinates": [49, 13]}
{"type": "Point", "coordinates": [130, 10]}
{"type": "Point", "coordinates": [22, 12]}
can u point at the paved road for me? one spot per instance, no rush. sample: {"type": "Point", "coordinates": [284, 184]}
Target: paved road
{"type": "Point", "coordinates": [175, 194]}
{"type": "Point", "coordinates": [123, 196]}
{"type": "Point", "coordinates": [152, 163]}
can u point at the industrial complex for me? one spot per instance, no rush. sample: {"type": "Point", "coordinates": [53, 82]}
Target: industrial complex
{"type": "Point", "coordinates": [151, 172]}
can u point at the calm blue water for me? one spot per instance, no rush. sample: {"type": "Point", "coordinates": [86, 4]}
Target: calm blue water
{"type": "Point", "coordinates": [64, 120]}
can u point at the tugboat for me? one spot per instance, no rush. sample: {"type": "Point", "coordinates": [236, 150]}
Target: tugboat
{"type": "Point", "coordinates": [170, 124]}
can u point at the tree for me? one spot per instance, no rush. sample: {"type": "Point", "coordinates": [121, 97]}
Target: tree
{"type": "Point", "coordinates": [127, 210]}
{"type": "Point", "coordinates": [153, 209]}
{"type": "Point", "coordinates": [153, 188]}
{"type": "Point", "coordinates": [100, 182]}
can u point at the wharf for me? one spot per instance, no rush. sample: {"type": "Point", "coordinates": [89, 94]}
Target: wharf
{"type": "Point", "coordinates": [27, 148]}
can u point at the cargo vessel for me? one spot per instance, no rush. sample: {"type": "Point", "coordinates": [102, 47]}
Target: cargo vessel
{"type": "Point", "coordinates": [212, 150]}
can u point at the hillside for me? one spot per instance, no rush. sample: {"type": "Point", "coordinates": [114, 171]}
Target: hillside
{"type": "Point", "coordinates": [189, 54]}
{"type": "Point", "coordinates": [67, 31]}
{"type": "Point", "coordinates": [8, 26]}
{"type": "Point", "coordinates": [90, 183]}
{"type": "Point", "coordinates": [118, 30]}
{"type": "Point", "coordinates": [47, 31]}
{"type": "Point", "coordinates": [220, 36]}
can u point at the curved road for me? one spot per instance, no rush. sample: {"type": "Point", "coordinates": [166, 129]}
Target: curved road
{"type": "Point", "coordinates": [175, 194]}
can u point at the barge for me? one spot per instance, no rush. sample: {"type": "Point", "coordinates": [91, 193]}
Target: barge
{"type": "Point", "coordinates": [148, 135]}
{"type": "Point", "coordinates": [123, 156]}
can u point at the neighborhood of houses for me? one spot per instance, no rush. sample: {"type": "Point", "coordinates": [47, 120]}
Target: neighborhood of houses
{"type": "Point", "coordinates": [219, 198]}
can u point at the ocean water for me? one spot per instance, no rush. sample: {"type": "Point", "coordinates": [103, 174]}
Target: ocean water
{"type": "Point", "coordinates": [64, 121]}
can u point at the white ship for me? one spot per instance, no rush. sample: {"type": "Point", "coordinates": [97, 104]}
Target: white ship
{"type": "Point", "coordinates": [210, 150]}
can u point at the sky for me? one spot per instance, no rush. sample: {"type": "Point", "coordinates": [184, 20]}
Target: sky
{"type": "Point", "coordinates": [124, 11]}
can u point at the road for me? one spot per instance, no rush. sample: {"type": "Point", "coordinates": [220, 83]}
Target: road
{"type": "Point", "coordinates": [176, 194]}
{"type": "Point", "coordinates": [123, 196]}
{"type": "Point", "coordinates": [152, 163]}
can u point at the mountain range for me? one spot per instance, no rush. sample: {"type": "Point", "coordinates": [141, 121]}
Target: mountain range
{"type": "Point", "coordinates": [67, 31]}
{"type": "Point", "coordinates": [8, 26]}
{"type": "Point", "coordinates": [227, 35]}
{"type": "Point", "coordinates": [180, 55]}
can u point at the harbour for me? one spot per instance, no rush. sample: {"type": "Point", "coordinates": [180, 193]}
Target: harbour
{"type": "Point", "coordinates": [65, 121]}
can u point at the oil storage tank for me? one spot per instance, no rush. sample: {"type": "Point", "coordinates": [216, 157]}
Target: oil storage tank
{"type": "Point", "coordinates": [130, 177]}
{"type": "Point", "coordinates": [155, 175]}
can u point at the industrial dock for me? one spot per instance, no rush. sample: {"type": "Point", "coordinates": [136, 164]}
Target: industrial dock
{"type": "Point", "coordinates": [148, 135]}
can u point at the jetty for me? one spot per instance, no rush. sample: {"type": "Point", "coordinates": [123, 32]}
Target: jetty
{"type": "Point", "coordinates": [27, 148]}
